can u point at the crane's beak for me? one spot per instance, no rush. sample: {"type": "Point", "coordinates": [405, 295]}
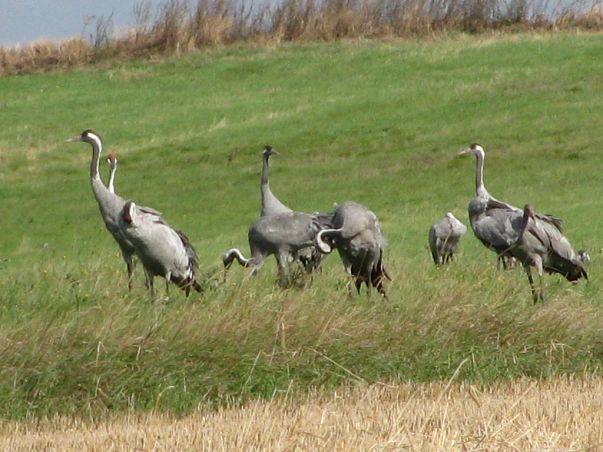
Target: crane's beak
{"type": "Point", "coordinates": [464, 151]}
{"type": "Point", "coordinates": [74, 139]}
{"type": "Point", "coordinates": [275, 152]}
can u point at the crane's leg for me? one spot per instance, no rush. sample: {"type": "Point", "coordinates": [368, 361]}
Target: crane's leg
{"type": "Point", "coordinates": [149, 282]}
{"type": "Point", "coordinates": [531, 280]}
{"type": "Point", "coordinates": [256, 263]}
{"type": "Point", "coordinates": [281, 264]}
{"type": "Point", "coordinates": [539, 268]}
{"type": "Point", "coordinates": [168, 278]}
{"type": "Point", "coordinates": [130, 268]}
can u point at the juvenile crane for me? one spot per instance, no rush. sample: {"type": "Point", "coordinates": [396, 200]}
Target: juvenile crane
{"type": "Point", "coordinates": [163, 251]}
{"type": "Point", "coordinates": [283, 235]}
{"type": "Point", "coordinates": [444, 237]}
{"type": "Point", "coordinates": [356, 234]}
{"type": "Point", "coordinates": [542, 245]}
{"type": "Point", "coordinates": [309, 258]}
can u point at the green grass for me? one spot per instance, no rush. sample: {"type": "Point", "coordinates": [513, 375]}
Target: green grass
{"type": "Point", "coordinates": [376, 122]}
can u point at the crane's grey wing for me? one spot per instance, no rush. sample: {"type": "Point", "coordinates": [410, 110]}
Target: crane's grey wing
{"type": "Point", "coordinates": [459, 229]}
{"type": "Point", "coordinates": [494, 203]}
{"type": "Point", "coordinates": [498, 229]}
{"type": "Point", "coordinates": [190, 250]}
{"type": "Point", "coordinates": [149, 210]}
{"type": "Point", "coordinates": [552, 220]}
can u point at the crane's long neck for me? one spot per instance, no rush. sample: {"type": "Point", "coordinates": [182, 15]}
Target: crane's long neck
{"type": "Point", "coordinates": [524, 224]}
{"type": "Point", "coordinates": [112, 178]}
{"type": "Point", "coordinates": [264, 182]}
{"type": "Point", "coordinates": [99, 189]}
{"type": "Point", "coordinates": [97, 148]}
{"type": "Point", "coordinates": [480, 190]}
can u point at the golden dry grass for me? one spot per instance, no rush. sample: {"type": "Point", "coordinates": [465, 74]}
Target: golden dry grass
{"type": "Point", "coordinates": [558, 414]}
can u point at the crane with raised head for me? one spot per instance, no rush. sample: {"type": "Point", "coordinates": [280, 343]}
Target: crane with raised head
{"type": "Point", "coordinates": [109, 203]}
{"type": "Point", "coordinates": [309, 258]}
{"type": "Point", "coordinates": [495, 223]}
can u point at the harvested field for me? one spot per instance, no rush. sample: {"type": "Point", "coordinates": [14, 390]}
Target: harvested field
{"type": "Point", "coordinates": [525, 414]}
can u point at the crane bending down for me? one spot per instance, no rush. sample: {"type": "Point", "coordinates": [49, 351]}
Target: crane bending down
{"type": "Point", "coordinates": [356, 234]}
{"type": "Point", "coordinates": [444, 237]}
{"type": "Point", "coordinates": [283, 235]}
{"type": "Point", "coordinates": [163, 251]}
{"type": "Point", "coordinates": [542, 245]}
{"type": "Point", "coordinates": [495, 223]}
{"type": "Point", "coordinates": [309, 258]}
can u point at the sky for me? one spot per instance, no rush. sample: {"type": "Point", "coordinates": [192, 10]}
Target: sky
{"type": "Point", "coordinates": [23, 21]}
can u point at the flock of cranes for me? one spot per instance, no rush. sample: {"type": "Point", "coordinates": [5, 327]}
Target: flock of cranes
{"type": "Point", "coordinates": [303, 238]}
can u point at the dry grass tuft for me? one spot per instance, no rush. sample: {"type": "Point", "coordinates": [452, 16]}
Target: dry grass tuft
{"type": "Point", "coordinates": [559, 414]}
{"type": "Point", "coordinates": [177, 27]}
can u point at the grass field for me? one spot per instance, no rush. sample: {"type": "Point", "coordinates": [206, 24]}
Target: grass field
{"type": "Point", "coordinates": [379, 122]}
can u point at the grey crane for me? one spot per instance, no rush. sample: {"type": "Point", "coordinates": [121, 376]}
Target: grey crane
{"type": "Point", "coordinates": [112, 161]}
{"type": "Point", "coordinates": [542, 245]}
{"type": "Point", "coordinates": [309, 258]}
{"type": "Point", "coordinates": [357, 235]}
{"type": "Point", "coordinates": [444, 237]}
{"type": "Point", "coordinates": [495, 223]}
{"type": "Point", "coordinates": [270, 203]}
{"type": "Point", "coordinates": [109, 203]}
{"type": "Point", "coordinates": [163, 251]}
{"type": "Point", "coordinates": [283, 235]}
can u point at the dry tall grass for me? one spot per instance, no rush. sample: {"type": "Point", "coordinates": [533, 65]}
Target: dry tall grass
{"type": "Point", "coordinates": [177, 27]}
{"type": "Point", "coordinates": [560, 414]}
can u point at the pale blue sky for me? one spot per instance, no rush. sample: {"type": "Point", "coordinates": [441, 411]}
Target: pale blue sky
{"type": "Point", "coordinates": [22, 21]}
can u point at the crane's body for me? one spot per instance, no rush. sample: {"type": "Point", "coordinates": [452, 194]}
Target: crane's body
{"type": "Point", "coordinates": [542, 245]}
{"type": "Point", "coordinates": [162, 250]}
{"type": "Point", "coordinates": [282, 235]}
{"type": "Point", "coordinates": [357, 236]}
{"type": "Point", "coordinates": [444, 237]}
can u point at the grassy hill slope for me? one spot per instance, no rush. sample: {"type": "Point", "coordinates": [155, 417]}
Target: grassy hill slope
{"type": "Point", "coordinates": [376, 122]}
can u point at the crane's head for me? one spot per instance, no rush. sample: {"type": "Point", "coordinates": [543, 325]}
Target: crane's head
{"type": "Point", "coordinates": [112, 160]}
{"type": "Point", "coordinates": [268, 151]}
{"type": "Point", "coordinates": [128, 213]}
{"type": "Point", "coordinates": [528, 211]}
{"type": "Point", "coordinates": [473, 149]}
{"type": "Point", "coordinates": [88, 136]}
